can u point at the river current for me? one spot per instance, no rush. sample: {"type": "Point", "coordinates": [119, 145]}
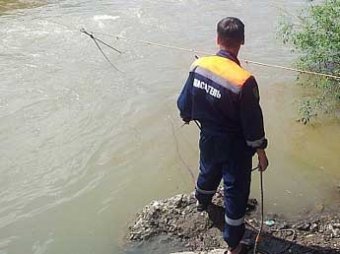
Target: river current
{"type": "Point", "coordinates": [84, 147]}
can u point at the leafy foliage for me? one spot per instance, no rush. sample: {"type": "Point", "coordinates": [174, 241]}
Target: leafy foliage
{"type": "Point", "coordinates": [315, 34]}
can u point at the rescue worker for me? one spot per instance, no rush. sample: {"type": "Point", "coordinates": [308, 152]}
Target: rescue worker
{"type": "Point", "coordinates": [223, 97]}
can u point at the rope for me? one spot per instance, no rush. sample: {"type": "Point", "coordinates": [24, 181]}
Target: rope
{"type": "Point", "coordinates": [96, 40]}
{"type": "Point", "coordinates": [186, 166]}
{"type": "Point", "coordinates": [292, 69]}
{"type": "Point", "coordinates": [247, 61]}
{"type": "Point", "coordinates": [258, 237]}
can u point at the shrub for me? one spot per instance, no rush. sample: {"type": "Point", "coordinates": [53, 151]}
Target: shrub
{"type": "Point", "coordinates": [315, 34]}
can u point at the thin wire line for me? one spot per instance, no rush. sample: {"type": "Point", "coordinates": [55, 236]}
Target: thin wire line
{"type": "Point", "coordinates": [107, 45]}
{"type": "Point", "coordinates": [292, 69]}
{"type": "Point", "coordinates": [96, 40]}
{"type": "Point", "coordinates": [186, 166]}
{"type": "Point", "coordinates": [244, 60]}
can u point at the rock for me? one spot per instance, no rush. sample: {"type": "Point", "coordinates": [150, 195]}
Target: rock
{"type": "Point", "coordinates": [216, 251]}
{"type": "Point", "coordinates": [314, 227]}
{"type": "Point", "coordinates": [168, 216]}
{"type": "Point", "coordinates": [269, 223]}
{"type": "Point", "coordinates": [336, 233]}
{"type": "Point", "coordinates": [304, 226]}
{"type": "Point", "coordinates": [251, 205]}
{"type": "Point", "coordinates": [283, 225]}
{"type": "Point", "coordinates": [336, 225]}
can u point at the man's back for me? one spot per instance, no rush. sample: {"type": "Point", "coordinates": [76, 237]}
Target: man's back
{"type": "Point", "coordinates": [214, 94]}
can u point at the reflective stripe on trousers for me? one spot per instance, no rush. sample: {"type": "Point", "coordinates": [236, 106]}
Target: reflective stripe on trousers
{"type": "Point", "coordinates": [233, 222]}
{"type": "Point", "coordinates": [207, 192]}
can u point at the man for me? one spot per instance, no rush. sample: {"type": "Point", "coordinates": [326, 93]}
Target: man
{"type": "Point", "coordinates": [224, 99]}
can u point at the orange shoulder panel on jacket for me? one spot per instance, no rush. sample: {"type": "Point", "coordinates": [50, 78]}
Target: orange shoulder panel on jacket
{"type": "Point", "coordinates": [223, 67]}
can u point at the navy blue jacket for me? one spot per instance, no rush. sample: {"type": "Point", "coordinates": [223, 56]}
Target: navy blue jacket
{"type": "Point", "coordinates": [224, 98]}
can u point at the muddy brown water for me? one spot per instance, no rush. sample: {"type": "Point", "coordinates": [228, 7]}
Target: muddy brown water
{"type": "Point", "coordinates": [83, 147]}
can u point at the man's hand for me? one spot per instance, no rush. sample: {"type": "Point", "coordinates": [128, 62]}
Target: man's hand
{"type": "Point", "coordinates": [263, 160]}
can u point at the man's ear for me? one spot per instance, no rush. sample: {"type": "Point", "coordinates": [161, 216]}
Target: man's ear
{"type": "Point", "coordinates": [218, 40]}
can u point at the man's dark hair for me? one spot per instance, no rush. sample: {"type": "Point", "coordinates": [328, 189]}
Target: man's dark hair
{"type": "Point", "coordinates": [231, 32]}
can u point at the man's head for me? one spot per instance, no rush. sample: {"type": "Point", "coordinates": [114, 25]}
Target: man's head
{"type": "Point", "coordinates": [230, 33]}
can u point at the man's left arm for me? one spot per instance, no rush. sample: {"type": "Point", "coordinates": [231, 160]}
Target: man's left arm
{"type": "Point", "coordinates": [251, 115]}
{"type": "Point", "coordinates": [252, 121]}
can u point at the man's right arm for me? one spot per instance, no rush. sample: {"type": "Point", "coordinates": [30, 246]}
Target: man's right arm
{"type": "Point", "coordinates": [184, 101]}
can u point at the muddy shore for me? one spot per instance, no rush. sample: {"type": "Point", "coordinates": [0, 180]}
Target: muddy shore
{"type": "Point", "coordinates": [200, 232]}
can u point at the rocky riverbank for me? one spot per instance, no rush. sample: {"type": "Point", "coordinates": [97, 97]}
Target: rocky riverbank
{"type": "Point", "coordinates": [200, 232]}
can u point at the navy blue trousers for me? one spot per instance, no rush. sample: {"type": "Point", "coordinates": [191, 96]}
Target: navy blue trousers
{"type": "Point", "coordinates": [230, 159]}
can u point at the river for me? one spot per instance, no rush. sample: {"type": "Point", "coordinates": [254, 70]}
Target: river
{"type": "Point", "coordinates": [84, 147]}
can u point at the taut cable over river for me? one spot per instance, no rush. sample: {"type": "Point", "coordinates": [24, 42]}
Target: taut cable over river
{"type": "Point", "coordinates": [91, 35]}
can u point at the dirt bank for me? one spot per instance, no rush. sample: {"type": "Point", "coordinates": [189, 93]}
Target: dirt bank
{"type": "Point", "coordinates": [201, 231]}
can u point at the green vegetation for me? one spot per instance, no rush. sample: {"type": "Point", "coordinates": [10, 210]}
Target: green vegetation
{"type": "Point", "coordinates": [315, 34]}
